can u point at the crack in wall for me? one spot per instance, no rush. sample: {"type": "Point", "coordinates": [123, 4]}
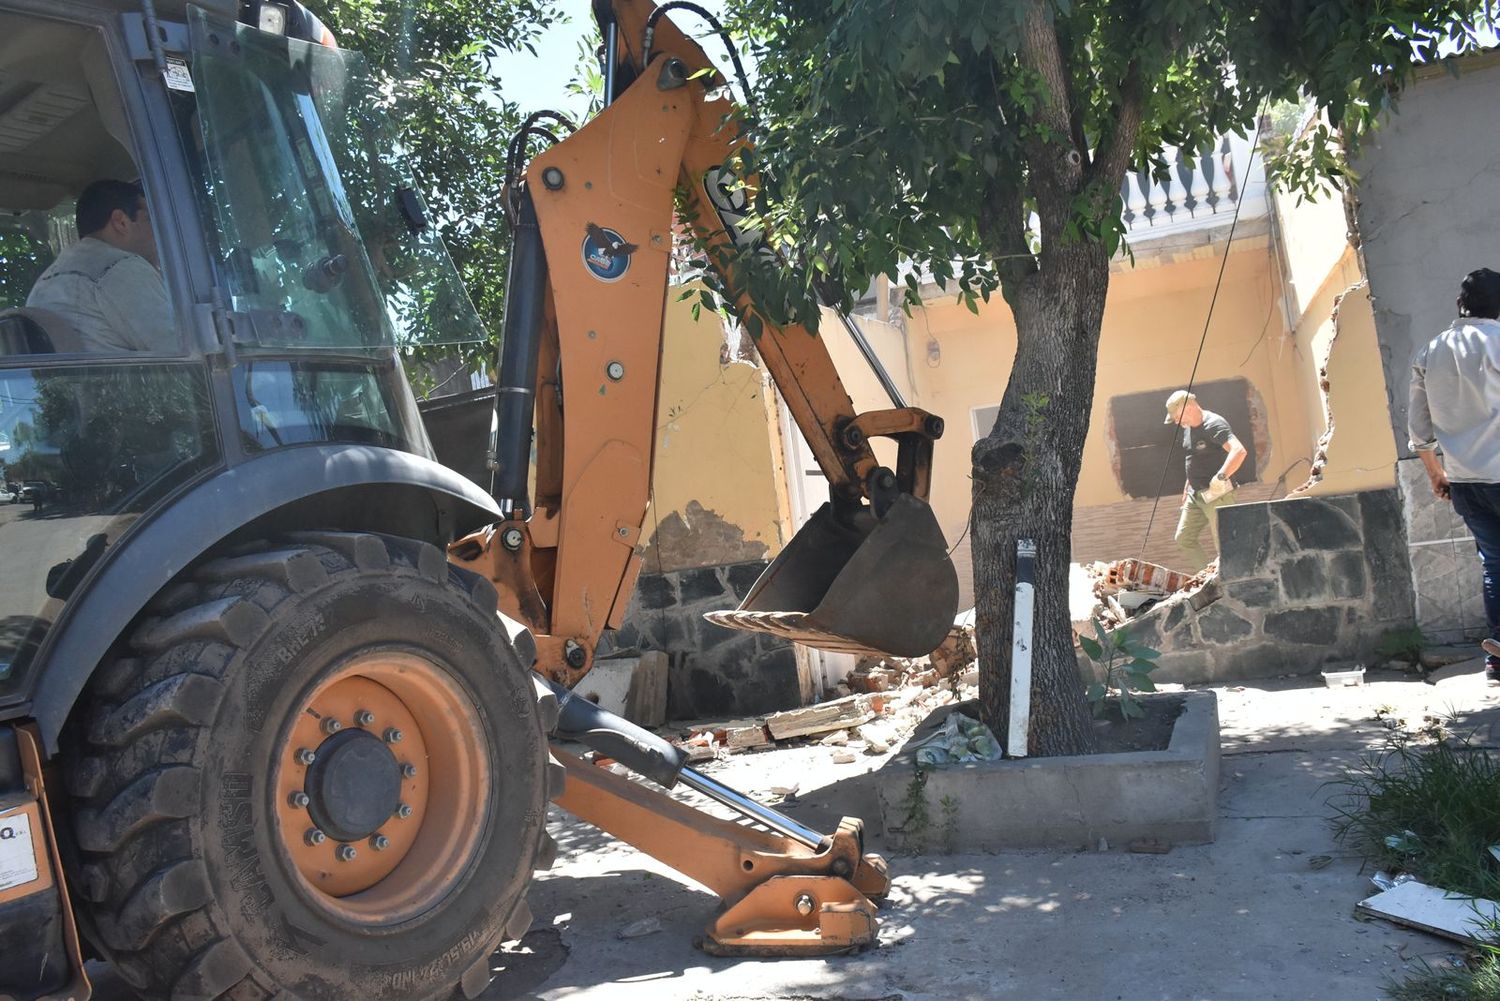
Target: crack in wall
{"type": "Point", "coordinates": [1320, 450]}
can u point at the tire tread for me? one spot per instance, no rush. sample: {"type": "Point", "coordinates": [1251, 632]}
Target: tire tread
{"type": "Point", "coordinates": [135, 778]}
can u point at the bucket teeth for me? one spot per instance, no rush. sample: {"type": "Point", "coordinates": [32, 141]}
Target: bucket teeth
{"type": "Point", "coordinates": [790, 626]}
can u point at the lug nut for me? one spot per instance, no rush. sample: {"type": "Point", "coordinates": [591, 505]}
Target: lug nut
{"type": "Point", "coordinates": [408, 771]}
{"type": "Point", "coordinates": [298, 799]}
{"type": "Point", "coordinates": [346, 853]}
{"type": "Point", "coordinates": [403, 811]}
{"type": "Point", "coordinates": [804, 904]}
{"type": "Point", "coordinates": [314, 837]}
{"type": "Point", "coordinates": [393, 736]}
{"type": "Point", "coordinates": [305, 756]}
{"type": "Point", "coordinates": [332, 726]}
{"type": "Point", "coordinates": [380, 842]}
{"type": "Point", "coordinates": [364, 717]}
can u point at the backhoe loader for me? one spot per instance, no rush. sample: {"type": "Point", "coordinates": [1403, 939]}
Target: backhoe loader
{"type": "Point", "coordinates": [277, 688]}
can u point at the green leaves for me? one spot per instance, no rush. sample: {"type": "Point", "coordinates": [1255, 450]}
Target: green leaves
{"type": "Point", "coordinates": [1125, 668]}
{"type": "Point", "coordinates": [915, 132]}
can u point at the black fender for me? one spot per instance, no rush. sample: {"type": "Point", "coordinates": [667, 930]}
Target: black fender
{"type": "Point", "coordinates": [327, 486]}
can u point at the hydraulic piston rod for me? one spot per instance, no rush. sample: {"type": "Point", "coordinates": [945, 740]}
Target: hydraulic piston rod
{"type": "Point", "coordinates": [646, 754]}
{"type": "Point", "coordinates": [744, 805]}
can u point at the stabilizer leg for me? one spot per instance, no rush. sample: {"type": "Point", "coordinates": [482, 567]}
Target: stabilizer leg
{"type": "Point", "coordinates": [779, 896]}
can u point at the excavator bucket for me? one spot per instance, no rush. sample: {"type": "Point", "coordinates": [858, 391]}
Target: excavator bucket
{"type": "Point", "coordinates": [883, 586]}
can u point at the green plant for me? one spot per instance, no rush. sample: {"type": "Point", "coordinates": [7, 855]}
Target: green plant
{"type": "Point", "coordinates": [1401, 644]}
{"type": "Point", "coordinates": [1428, 808]}
{"type": "Point", "coordinates": [918, 820]}
{"type": "Point", "coordinates": [949, 829]}
{"type": "Point", "coordinates": [1125, 668]}
{"type": "Point", "coordinates": [1480, 981]}
{"type": "Point", "coordinates": [1429, 804]}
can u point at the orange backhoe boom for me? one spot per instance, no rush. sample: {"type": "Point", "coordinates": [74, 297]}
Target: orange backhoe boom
{"type": "Point", "coordinates": [594, 226]}
{"type": "Point", "coordinates": [603, 202]}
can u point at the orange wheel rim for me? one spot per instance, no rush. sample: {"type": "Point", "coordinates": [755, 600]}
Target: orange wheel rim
{"type": "Point", "coordinates": [404, 720]}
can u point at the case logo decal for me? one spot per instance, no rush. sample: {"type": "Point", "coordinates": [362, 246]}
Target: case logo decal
{"type": "Point", "coordinates": [606, 253]}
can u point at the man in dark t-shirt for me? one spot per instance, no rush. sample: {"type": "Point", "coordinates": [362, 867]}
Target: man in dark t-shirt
{"type": "Point", "coordinates": [1211, 456]}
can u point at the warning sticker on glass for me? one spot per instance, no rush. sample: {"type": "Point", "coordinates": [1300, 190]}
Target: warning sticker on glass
{"type": "Point", "coordinates": [17, 856]}
{"type": "Point", "coordinates": [177, 74]}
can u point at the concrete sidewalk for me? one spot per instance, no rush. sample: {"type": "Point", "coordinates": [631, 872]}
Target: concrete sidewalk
{"type": "Point", "coordinates": [1251, 916]}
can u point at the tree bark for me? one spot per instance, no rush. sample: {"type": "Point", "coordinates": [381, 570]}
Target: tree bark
{"type": "Point", "coordinates": [1025, 472]}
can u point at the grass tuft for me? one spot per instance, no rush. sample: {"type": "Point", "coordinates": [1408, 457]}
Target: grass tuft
{"type": "Point", "coordinates": [1430, 808]}
{"type": "Point", "coordinates": [1479, 983]}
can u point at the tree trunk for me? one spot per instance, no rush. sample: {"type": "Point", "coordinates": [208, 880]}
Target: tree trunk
{"type": "Point", "coordinates": [1025, 472]}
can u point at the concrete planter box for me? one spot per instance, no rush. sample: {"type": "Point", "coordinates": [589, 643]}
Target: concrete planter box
{"type": "Point", "coordinates": [1167, 796]}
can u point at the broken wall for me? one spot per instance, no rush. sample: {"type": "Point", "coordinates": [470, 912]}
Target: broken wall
{"type": "Point", "coordinates": [713, 490]}
{"type": "Point", "coordinates": [1153, 320]}
{"type": "Point", "coordinates": [1321, 272]}
{"type": "Point", "coordinates": [1303, 582]}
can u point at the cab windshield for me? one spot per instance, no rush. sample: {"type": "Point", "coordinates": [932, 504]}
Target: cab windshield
{"type": "Point", "coordinates": [323, 241]}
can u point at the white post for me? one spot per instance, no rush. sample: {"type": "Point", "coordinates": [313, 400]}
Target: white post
{"type": "Point", "coordinates": [1020, 654]}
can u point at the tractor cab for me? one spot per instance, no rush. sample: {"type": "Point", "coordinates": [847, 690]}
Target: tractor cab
{"type": "Point", "coordinates": [212, 253]}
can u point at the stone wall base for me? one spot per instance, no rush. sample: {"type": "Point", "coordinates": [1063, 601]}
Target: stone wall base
{"type": "Point", "coordinates": [1303, 583]}
{"type": "Point", "coordinates": [713, 671]}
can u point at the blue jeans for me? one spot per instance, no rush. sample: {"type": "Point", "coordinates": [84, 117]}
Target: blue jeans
{"type": "Point", "coordinates": [1478, 504]}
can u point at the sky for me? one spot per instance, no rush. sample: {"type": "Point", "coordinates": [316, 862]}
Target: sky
{"type": "Point", "coordinates": [541, 81]}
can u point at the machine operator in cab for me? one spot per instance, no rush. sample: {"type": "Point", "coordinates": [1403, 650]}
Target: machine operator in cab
{"type": "Point", "coordinates": [107, 286]}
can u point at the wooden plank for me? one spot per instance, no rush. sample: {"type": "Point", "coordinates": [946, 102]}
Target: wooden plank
{"type": "Point", "coordinates": [1434, 910]}
{"type": "Point", "coordinates": [646, 699]}
{"type": "Point", "coordinates": [739, 738]}
{"type": "Point", "coordinates": [840, 714]}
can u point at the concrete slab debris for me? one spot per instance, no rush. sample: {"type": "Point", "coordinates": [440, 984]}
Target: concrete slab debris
{"type": "Point", "coordinates": [840, 714]}
{"type": "Point", "coordinates": [1434, 910]}
{"type": "Point", "coordinates": [641, 928]}
{"type": "Point", "coordinates": [1128, 587]}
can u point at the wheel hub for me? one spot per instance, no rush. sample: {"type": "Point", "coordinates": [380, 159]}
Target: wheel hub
{"type": "Point", "coordinates": [353, 785]}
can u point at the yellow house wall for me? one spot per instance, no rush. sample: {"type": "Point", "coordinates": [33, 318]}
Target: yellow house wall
{"type": "Point", "coordinates": [1360, 456]}
{"type": "Point", "coordinates": [717, 473]}
{"type": "Point", "coordinates": [1320, 266]}
{"type": "Point", "coordinates": [1153, 320]}
{"type": "Point", "coordinates": [1312, 237]}
{"type": "Point", "coordinates": [950, 361]}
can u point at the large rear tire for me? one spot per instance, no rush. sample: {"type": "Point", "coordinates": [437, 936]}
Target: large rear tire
{"type": "Point", "coordinates": [321, 773]}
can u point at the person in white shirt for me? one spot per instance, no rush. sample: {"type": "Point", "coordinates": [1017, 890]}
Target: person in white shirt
{"type": "Point", "coordinates": [107, 286]}
{"type": "Point", "coordinates": [1455, 406]}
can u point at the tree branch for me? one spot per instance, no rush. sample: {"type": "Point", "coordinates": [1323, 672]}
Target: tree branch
{"type": "Point", "coordinates": [1002, 229]}
{"type": "Point", "coordinates": [1041, 54]}
{"type": "Point", "coordinates": [1056, 164]}
{"type": "Point", "coordinates": [1116, 150]}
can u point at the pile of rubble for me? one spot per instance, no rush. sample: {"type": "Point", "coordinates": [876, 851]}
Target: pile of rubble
{"type": "Point", "coordinates": [872, 710]}
{"type": "Point", "coordinates": [1126, 588]}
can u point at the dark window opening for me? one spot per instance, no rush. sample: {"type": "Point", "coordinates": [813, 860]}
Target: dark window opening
{"type": "Point", "coordinates": [1146, 446]}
